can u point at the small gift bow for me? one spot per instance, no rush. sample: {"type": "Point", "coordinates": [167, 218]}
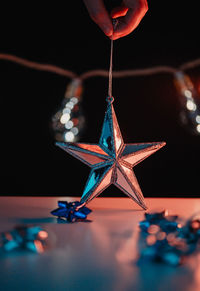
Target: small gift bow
{"type": "Point", "coordinates": [71, 211]}
{"type": "Point", "coordinates": [164, 239]}
{"type": "Point", "coordinates": [31, 238]}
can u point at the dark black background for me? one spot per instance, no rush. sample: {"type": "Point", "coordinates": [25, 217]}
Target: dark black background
{"type": "Point", "coordinates": [147, 107]}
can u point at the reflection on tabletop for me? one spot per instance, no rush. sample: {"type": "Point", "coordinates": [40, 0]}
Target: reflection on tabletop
{"type": "Point", "coordinates": [101, 255]}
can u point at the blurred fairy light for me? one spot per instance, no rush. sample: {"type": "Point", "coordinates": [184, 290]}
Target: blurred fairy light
{"type": "Point", "coordinates": [190, 102]}
{"type": "Point", "coordinates": [68, 122]}
{"type": "Point", "coordinates": [70, 110]}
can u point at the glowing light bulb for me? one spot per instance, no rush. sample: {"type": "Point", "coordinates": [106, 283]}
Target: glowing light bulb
{"type": "Point", "coordinates": [198, 128]}
{"type": "Point", "coordinates": [189, 101]}
{"type": "Point", "coordinates": [64, 118]}
{"type": "Point", "coordinates": [191, 105]}
{"type": "Point", "coordinates": [69, 105]}
{"type": "Point", "coordinates": [188, 93]}
{"type": "Point", "coordinates": [74, 100]}
{"type": "Point", "coordinates": [68, 122]}
{"type": "Point", "coordinates": [198, 118]}
{"type": "Point", "coordinates": [69, 136]}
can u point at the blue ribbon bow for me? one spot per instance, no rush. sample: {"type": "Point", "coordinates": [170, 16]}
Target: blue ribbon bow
{"type": "Point", "coordinates": [31, 238]}
{"type": "Point", "coordinates": [164, 239]}
{"type": "Point", "coordinates": [71, 211]}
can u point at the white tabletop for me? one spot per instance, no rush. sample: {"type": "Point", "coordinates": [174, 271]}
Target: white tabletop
{"type": "Point", "coordinates": [97, 255]}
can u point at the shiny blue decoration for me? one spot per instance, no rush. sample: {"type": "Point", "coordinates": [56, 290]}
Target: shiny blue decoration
{"type": "Point", "coordinates": [163, 239]}
{"type": "Point", "coordinates": [111, 160]}
{"type": "Point", "coordinates": [71, 211]}
{"type": "Point", "coordinates": [165, 222]}
{"type": "Point", "coordinates": [95, 178]}
{"type": "Point", "coordinates": [107, 138]}
{"type": "Point", "coordinates": [32, 238]}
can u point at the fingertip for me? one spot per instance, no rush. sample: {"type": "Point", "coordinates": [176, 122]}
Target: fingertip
{"type": "Point", "coordinates": [108, 31]}
{"type": "Point", "coordinates": [115, 37]}
{"type": "Point", "coordinates": [106, 27]}
{"type": "Point", "coordinates": [120, 34]}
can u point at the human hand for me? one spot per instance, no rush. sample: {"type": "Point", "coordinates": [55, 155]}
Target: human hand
{"type": "Point", "coordinates": [129, 15]}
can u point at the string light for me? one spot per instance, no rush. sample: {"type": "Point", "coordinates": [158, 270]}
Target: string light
{"type": "Point", "coordinates": [189, 100]}
{"type": "Point", "coordinates": [68, 122]}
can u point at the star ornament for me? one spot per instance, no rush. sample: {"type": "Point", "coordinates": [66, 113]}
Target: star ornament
{"type": "Point", "coordinates": [111, 160]}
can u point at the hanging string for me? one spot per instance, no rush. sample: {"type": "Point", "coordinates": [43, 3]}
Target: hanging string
{"type": "Point", "coordinates": [115, 22]}
{"type": "Point", "coordinates": [110, 70]}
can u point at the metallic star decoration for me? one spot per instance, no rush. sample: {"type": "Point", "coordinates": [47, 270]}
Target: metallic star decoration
{"type": "Point", "coordinates": [111, 160]}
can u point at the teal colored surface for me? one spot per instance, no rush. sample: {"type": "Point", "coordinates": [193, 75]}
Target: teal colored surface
{"type": "Point", "coordinates": [99, 255]}
{"type": "Point", "coordinates": [95, 178]}
{"type": "Point", "coordinates": [107, 133]}
{"type": "Point", "coordinates": [135, 148]}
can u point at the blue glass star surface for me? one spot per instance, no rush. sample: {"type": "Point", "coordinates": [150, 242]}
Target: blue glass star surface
{"type": "Point", "coordinates": [111, 160]}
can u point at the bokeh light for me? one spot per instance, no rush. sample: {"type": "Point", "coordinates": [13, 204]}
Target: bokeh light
{"type": "Point", "coordinates": [68, 122]}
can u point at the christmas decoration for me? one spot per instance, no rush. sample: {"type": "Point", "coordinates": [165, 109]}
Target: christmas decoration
{"type": "Point", "coordinates": [111, 160]}
{"type": "Point", "coordinates": [32, 238]}
{"type": "Point", "coordinates": [164, 239]}
{"type": "Point", "coordinates": [71, 211]}
{"type": "Point", "coordinates": [63, 124]}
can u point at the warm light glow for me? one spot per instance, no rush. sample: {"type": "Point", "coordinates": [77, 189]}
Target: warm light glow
{"type": "Point", "coordinates": [75, 121]}
{"type": "Point", "coordinates": [42, 235]}
{"type": "Point", "coordinates": [74, 100]}
{"type": "Point", "coordinates": [195, 224]}
{"type": "Point", "coordinates": [151, 239]}
{"type": "Point", "coordinates": [69, 136]}
{"type": "Point", "coordinates": [39, 247]}
{"type": "Point", "coordinates": [198, 118]}
{"type": "Point", "coordinates": [69, 105]}
{"type": "Point", "coordinates": [191, 105]}
{"type": "Point", "coordinates": [153, 229]}
{"type": "Point", "coordinates": [188, 93]}
{"type": "Point", "coordinates": [198, 127]}
{"type": "Point", "coordinates": [69, 124]}
{"type": "Point", "coordinates": [64, 118]}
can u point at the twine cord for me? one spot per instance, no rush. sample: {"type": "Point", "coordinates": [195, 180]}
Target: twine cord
{"type": "Point", "coordinates": [115, 22]}
{"type": "Point", "coordinates": [99, 73]}
{"type": "Point", "coordinates": [110, 70]}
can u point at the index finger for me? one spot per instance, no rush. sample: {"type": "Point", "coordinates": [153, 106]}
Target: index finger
{"type": "Point", "coordinates": [129, 22]}
{"type": "Point", "coordinates": [99, 14]}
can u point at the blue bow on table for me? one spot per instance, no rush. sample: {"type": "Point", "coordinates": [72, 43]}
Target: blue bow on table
{"type": "Point", "coordinates": [32, 238]}
{"type": "Point", "coordinates": [164, 239]}
{"type": "Point", "coordinates": [71, 211]}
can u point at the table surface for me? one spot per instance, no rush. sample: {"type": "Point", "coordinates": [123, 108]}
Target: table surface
{"type": "Point", "coordinates": [97, 255]}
